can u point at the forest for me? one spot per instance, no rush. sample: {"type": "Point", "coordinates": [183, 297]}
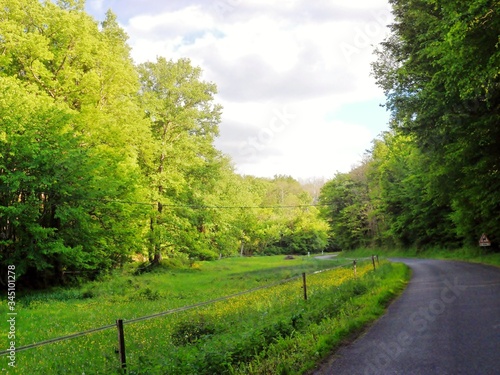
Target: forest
{"type": "Point", "coordinates": [104, 161]}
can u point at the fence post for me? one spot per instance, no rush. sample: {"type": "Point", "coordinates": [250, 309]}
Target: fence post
{"type": "Point", "coordinates": [373, 261]}
{"type": "Point", "coordinates": [304, 285]}
{"type": "Point", "coordinates": [121, 344]}
{"type": "Point", "coordinates": [354, 267]}
{"type": "Point", "coordinates": [378, 263]}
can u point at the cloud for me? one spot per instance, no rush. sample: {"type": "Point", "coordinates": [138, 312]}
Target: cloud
{"type": "Point", "coordinates": [320, 150]}
{"type": "Point", "coordinates": [263, 57]}
{"type": "Point", "coordinates": [255, 77]}
{"type": "Point", "coordinates": [96, 5]}
{"type": "Point", "coordinates": [311, 57]}
{"type": "Point", "coordinates": [185, 21]}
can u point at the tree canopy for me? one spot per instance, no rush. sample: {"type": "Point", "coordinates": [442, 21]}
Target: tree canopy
{"type": "Point", "coordinates": [103, 161]}
{"type": "Point", "coordinates": [434, 179]}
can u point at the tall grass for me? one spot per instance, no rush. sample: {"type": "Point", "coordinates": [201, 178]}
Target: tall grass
{"type": "Point", "coordinates": [252, 334]}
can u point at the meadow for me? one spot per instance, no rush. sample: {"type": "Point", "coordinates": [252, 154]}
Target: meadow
{"type": "Point", "coordinates": [271, 330]}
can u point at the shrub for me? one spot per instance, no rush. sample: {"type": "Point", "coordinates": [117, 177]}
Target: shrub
{"type": "Point", "coordinates": [190, 332]}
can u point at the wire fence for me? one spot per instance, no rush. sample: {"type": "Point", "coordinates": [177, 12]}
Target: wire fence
{"type": "Point", "coordinates": [119, 322]}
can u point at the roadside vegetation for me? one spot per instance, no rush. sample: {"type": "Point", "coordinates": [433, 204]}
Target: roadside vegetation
{"type": "Point", "coordinates": [271, 330]}
{"type": "Point", "coordinates": [432, 181]}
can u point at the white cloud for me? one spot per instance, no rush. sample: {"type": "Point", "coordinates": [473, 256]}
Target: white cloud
{"type": "Point", "coordinates": [96, 5]}
{"type": "Point", "coordinates": [309, 57]}
{"type": "Point", "coordinates": [181, 22]}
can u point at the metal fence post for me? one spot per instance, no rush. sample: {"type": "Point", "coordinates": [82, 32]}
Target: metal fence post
{"type": "Point", "coordinates": [304, 285]}
{"type": "Point", "coordinates": [121, 344]}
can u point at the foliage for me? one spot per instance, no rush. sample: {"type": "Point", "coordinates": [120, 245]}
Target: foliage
{"type": "Point", "coordinates": [287, 223]}
{"type": "Point", "coordinates": [433, 180]}
{"type": "Point", "coordinates": [346, 207]}
{"type": "Point", "coordinates": [190, 332]}
{"type": "Point", "coordinates": [102, 161]}
{"type": "Point", "coordinates": [439, 69]}
{"type": "Point", "coordinates": [68, 152]}
{"type": "Point", "coordinates": [183, 123]}
{"type": "Point", "coordinates": [51, 194]}
{"type": "Point", "coordinates": [243, 334]}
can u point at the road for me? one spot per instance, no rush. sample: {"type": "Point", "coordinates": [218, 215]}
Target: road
{"type": "Point", "coordinates": [327, 256]}
{"type": "Point", "coordinates": [447, 321]}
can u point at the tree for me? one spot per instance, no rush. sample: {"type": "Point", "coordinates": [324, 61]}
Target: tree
{"type": "Point", "coordinates": [184, 121]}
{"type": "Point", "coordinates": [52, 214]}
{"type": "Point", "coordinates": [346, 207]}
{"type": "Point", "coordinates": [439, 69]}
{"type": "Point", "coordinates": [408, 204]}
{"type": "Point", "coordinates": [71, 155]}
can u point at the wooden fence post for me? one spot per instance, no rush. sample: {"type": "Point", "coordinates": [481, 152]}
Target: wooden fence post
{"type": "Point", "coordinates": [121, 344]}
{"type": "Point", "coordinates": [373, 261]}
{"type": "Point", "coordinates": [304, 285]}
{"type": "Point", "coordinates": [354, 267]}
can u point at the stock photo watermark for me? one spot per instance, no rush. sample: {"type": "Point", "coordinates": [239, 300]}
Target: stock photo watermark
{"type": "Point", "coordinates": [279, 122]}
{"type": "Point", "coordinates": [223, 7]}
{"type": "Point", "coordinates": [364, 37]}
{"type": "Point", "coordinates": [11, 315]}
{"type": "Point", "coordinates": [418, 322]}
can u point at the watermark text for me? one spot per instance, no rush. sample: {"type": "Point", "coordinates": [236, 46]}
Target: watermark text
{"type": "Point", "coordinates": [11, 314]}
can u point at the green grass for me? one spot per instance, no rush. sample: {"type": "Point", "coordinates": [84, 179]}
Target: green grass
{"type": "Point", "coordinates": [302, 352]}
{"type": "Point", "coordinates": [467, 254]}
{"type": "Point", "coordinates": [125, 296]}
{"type": "Point", "coordinates": [250, 334]}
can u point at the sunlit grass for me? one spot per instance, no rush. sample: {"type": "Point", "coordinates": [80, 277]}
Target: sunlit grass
{"type": "Point", "coordinates": [125, 296]}
{"type": "Point", "coordinates": [229, 336]}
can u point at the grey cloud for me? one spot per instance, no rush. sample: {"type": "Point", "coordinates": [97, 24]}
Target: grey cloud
{"type": "Point", "coordinates": [325, 11]}
{"type": "Point", "coordinates": [240, 140]}
{"type": "Point", "coordinates": [306, 11]}
{"type": "Point", "coordinates": [251, 78]}
{"type": "Point", "coordinates": [126, 9]}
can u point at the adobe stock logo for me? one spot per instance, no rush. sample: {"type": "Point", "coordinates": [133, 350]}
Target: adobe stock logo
{"type": "Point", "coordinates": [223, 7]}
{"type": "Point", "coordinates": [364, 37]}
{"type": "Point", "coordinates": [386, 352]}
{"type": "Point", "coordinates": [265, 136]}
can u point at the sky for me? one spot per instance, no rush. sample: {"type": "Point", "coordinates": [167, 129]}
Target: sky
{"type": "Point", "coordinates": [293, 76]}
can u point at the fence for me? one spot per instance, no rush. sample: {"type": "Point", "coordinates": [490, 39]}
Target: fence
{"type": "Point", "coordinates": [119, 325]}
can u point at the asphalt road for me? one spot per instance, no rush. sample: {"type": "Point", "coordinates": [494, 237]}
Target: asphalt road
{"type": "Point", "coordinates": [447, 321]}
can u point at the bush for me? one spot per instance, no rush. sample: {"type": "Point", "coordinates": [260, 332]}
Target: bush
{"type": "Point", "coordinates": [190, 332]}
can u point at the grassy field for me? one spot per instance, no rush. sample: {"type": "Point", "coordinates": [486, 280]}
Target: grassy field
{"type": "Point", "coordinates": [268, 331]}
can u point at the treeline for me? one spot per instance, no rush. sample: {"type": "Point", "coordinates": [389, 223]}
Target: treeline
{"type": "Point", "coordinates": [434, 179]}
{"type": "Point", "coordinates": [102, 160]}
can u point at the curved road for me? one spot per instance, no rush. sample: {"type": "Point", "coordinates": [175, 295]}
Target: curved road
{"type": "Point", "coordinates": [447, 321]}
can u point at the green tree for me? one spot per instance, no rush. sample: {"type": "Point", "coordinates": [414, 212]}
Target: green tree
{"type": "Point", "coordinates": [287, 223]}
{"type": "Point", "coordinates": [53, 217]}
{"type": "Point", "coordinates": [184, 121]}
{"type": "Point", "coordinates": [83, 85]}
{"type": "Point", "coordinates": [440, 71]}
{"type": "Point", "coordinates": [346, 206]}
{"type": "Point", "coordinates": [409, 205]}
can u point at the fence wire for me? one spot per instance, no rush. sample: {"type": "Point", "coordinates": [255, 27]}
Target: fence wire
{"type": "Point", "coordinates": [168, 312]}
